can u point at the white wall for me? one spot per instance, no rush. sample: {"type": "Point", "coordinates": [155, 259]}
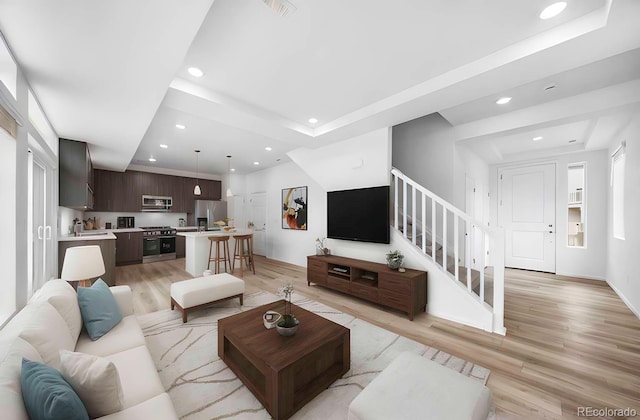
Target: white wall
{"type": "Point", "coordinates": [288, 245]}
{"type": "Point", "coordinates": [588, 262]}
{"type": "Point", "coordinates": [360, 162]}
{"type": "Point", "coordinates": [622, 261]}
{"type": "Point", "coordinates": [423, 149]}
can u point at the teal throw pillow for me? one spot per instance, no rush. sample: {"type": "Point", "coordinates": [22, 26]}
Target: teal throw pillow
{"type": "Point", "coordinates": [47, 396]}
{"type": "Point", "coordinates": [99, 309]}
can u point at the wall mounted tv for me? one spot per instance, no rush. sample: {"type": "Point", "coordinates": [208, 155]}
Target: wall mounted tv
{"type": "Point", "coordinates": [359, 215]}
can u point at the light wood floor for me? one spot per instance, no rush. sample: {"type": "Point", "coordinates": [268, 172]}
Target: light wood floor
{"type": "Point", "coordinates": [569, 342]}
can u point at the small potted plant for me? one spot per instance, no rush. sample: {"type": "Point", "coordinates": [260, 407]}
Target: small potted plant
{"type": "Point", "coordinates": [288, 325]}
{"type": "Point", "coordinates": [395, 259]}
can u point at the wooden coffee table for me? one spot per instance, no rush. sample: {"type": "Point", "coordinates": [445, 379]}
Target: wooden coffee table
{"type": "Point", "coordinates": [284, 373]}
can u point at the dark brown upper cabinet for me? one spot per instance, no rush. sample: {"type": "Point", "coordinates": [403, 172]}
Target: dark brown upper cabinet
{"type": "Point", "coordinates": [76, 175]}
{"type": "Point", "coordinates": [123, 191]}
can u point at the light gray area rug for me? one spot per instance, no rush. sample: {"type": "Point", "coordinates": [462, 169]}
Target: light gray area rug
{"type": "Point", "coordinates": [202, 387]}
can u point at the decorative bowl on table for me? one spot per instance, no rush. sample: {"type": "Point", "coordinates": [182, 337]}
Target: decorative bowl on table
{"type": "Point", "coordinates": [229, 228]}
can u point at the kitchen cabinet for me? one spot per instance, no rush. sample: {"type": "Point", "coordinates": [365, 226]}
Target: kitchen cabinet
{"type": "Point", "coordinates": [110, 191]}
{"type": "Point", "coordinates": [75, 175]}
{"type": "Point", "coordinates": [128, 247]}
{"type": "Point", "coordinates": [181, 243]}
{"type": "Point", "coordinates": [122, 191]}
{"type": "Point", "coordinates": [108, 248]}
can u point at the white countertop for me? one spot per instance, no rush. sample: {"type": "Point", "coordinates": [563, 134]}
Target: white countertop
{"type": "Point", "coordinates": [206, 234]}
{"type": "Point", "coordinates": [184, 228]}
{"type": "Point", "coordinates": [125, 230]}
{"type": "Point", "coordinates": [97, 237]}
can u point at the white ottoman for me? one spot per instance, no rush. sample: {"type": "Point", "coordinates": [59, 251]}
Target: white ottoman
{"type": "Point", "coordinates": [413, 387]}
{"type": "Point", "coordinates": [194, 294]}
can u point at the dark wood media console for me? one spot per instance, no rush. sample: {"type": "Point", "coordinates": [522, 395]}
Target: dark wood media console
{"type": "Point", "coordinates": [370, 281]}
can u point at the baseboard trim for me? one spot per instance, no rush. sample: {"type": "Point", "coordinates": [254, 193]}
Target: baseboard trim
{"type": "Point", "coordinates": [580, 276]}
{"type": "Point", "coordinates": [624, 299]}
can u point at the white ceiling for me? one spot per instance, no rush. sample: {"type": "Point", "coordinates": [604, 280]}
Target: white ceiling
{"type": "Point", "coordinates": [356, 66]}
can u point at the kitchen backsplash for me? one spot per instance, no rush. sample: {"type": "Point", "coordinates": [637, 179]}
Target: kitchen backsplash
{"type": "Point", "coordinates": [141, 219]}
{"type": "Point", "coordinates": [65, 220]}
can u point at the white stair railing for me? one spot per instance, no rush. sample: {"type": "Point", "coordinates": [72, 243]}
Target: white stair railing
{"type": "Point", "coordinates": [468, 249]}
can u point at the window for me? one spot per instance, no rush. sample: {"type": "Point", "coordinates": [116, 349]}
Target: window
{"type": "Point", "coordinates": [577, 205]}
{"type": "Point", "coordinates": [617, 186]}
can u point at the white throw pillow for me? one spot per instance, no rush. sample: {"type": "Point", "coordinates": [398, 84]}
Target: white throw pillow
{"type": "Point", "coordinates": [43, 327]}
{"type": "Point", "coordinates": [61, 295]}
{"type": "Point", "coordinates": [95, 380]}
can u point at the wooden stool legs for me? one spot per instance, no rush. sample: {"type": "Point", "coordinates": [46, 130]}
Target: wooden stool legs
{"type": "Point", "coordinates": [243, 251]}
{"type": "Point", "coordinates": [221, 254]}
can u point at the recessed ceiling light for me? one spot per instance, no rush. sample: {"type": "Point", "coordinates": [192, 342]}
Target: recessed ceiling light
{"type": "Point", "coordinates": [573, 141]}
{"type": "Point", "coordinates": [180, 126]}
{"type": "Point", "coordinates": [537, 138]}
{"type": "Point", "coordinates": [152, 159]}
{"type": "Point", "coordinates": [268, 149]}
{"type": "Point", "coordinates": [503, 100]}
{"type": "Point", "coordinates": [553, 10]}
{"type": "Point", "coordinates": [313, 120]}
{"type": "Point", "coordinates": [233, 169]}
{"type": "Point", "coordinates": [195, 72]}
{"type": "Point", "coordinates": [256, 163]}
{"type": "Point", "coordinates": [164, 146]}
{"type": "Point", "coordinates": [550, 86]}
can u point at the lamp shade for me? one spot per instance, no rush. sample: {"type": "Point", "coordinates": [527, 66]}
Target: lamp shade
{"type": "Point", "coordinates": [82, 263]}
{"type": "Point", "coordinates": [197, 190]}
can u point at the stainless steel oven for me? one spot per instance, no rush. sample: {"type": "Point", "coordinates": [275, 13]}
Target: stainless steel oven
{"type": "Point", "coordinates": [159, 243]}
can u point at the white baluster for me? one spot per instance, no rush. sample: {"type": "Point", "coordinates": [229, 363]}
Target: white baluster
{"type": "Point", "coordinates": [455, 247]}
{"type": "Point", "coordinates": [396, 203]}
{"type": "Point", "coordinates": [433, 229]}
{"type": "Point", "coordinates": [404, 207]}
{"type": "Point", "coordinates": [483, 266]}
{"type": "Point", "coordinates": [468, 252]}
{"type": "Point", "coordinates": [444, 238]}
{"type": "Point", "coordinates": [413, 215]}
{"type": "Point", "coordinates": [424, 224]}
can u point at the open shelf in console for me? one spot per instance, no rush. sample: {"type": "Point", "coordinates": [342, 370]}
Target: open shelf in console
{"type": "Point", "coordinates": [366, 277]}
{"type": "Point", "coordinates": [339, 271]}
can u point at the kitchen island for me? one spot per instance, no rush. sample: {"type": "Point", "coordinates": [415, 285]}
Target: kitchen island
{"type": "Point", "coordinates": [197, 248]}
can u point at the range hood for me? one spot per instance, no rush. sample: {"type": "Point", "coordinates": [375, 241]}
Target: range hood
{"type": "Point", "coordinates": [156, 203]}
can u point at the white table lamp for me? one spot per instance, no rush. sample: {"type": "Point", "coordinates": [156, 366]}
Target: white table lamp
{"type": "Point", "coordinates": [82, 263]}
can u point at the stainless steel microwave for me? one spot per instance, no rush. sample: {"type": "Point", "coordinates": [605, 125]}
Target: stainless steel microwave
{"type": "Point", "coordinates": [156, 203]}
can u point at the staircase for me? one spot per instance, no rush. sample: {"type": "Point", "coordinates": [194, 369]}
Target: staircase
{"type": "Point", "coordinates": [468, 253]}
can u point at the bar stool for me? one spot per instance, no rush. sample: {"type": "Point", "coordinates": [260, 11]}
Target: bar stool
{"type": "Point", "coordinates": [243, 251]}
{"type": "Point", "coordinates": [224, 250]}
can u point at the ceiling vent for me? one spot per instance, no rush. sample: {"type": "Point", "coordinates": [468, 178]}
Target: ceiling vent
{"type": "Point", "coordinates": [281, 7]}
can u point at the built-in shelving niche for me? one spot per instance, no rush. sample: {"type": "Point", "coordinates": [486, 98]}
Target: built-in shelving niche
{"type": "Point", "coordinates": [576, 217]}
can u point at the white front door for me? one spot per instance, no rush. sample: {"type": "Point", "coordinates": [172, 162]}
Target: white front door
{"type": "Point", "coordinates": [527, 212]}
{"type": "Point", "coordinates": [258, 215]}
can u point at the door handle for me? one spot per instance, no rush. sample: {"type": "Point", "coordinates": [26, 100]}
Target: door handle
{"type": "Point", "coordinates": [47, 233]}
{"type": "Point", "coordinates": [40, 232]}
{"type": "Point", "coordinates": [550, 231]}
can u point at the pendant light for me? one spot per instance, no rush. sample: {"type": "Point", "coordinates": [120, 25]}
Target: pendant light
{"type": "Point", "coordinates": [196, 189]}
{"type": "Point", "coordinates": [229, 193]}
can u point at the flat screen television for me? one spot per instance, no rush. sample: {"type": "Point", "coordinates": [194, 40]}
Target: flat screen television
{"type": "Point", "coordinates": [359, 215]}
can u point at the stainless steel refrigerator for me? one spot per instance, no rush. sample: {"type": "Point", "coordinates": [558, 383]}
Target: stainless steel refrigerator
{"type": "Point", "coordinates": [210, 210]}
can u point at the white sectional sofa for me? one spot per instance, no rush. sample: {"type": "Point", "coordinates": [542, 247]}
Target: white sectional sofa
{"type": "Point", "coordinates": [52, 322]}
